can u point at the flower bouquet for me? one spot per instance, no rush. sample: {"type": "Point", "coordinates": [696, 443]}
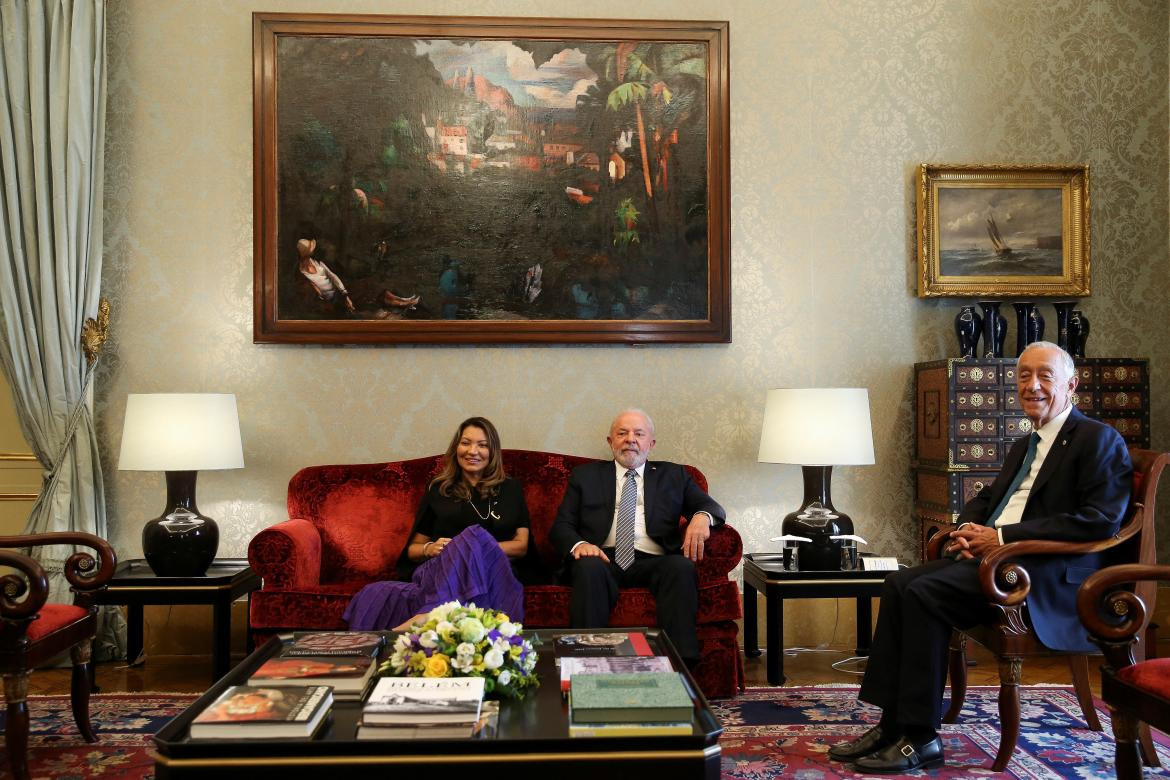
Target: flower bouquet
{"type": "Point", "coordinates": [466, 641]}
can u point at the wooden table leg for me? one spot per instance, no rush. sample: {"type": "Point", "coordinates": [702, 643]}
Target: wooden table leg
{"type": "Point", "coordinates": [221, 654]}
{"type": "Point", "coordinates": [751, 640]}
{"type": "Point", "coordinates": [774, 609]}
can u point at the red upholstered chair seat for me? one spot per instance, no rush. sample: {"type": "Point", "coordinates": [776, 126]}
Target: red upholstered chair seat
{"type": "Point", "coordinates": [1150, 676]}
{"type": "Point", "coordinates": [54, 617]}
{"type": "Point", "coordinates": [350, 523]}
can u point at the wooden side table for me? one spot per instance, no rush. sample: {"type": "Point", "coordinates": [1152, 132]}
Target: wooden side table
{"type": "Point", "coordinates": [767, 575]}
{"type": "Point", "coordinates": [135, 585]}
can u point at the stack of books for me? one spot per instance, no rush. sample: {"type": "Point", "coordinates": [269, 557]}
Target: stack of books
{"type": "Point", "coordinates": [615, 664]}
{"type": "Point", "coordinates": [422, 708]}
{"type": "Point", "coordinates": [264, 712]}
{"type": "Point", "coordinates": [599, 644]}
{"type": "Point", "coordinates": [640, 704]}
{"type": "Point", "coordinates": [343, 660]}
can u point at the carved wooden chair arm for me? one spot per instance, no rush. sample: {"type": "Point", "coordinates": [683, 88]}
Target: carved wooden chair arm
{"type": "Point", "coordinates": [82, 570]}
{"type": "Point", "coordinates": [29, 578]}
{"type": "Point", "coordinates": [1006, 583]}
{"type": "Point", "coordinates": [1113, 616]}
{"type": "Point", "coordinates": [935, 544]}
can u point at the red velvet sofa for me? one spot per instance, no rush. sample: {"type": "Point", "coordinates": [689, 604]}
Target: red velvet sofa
{"type": "Point", "coordinates": [350, 523]}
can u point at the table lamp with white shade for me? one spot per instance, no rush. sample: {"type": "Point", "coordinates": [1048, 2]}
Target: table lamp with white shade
{"type": "Point", "coordinates": [181, 434]}
{"type": "Point", "coordinates": [816, 429]}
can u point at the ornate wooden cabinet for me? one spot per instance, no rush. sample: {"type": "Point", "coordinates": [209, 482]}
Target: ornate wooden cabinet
{"type": "Point", "coordinates": [968, 415]}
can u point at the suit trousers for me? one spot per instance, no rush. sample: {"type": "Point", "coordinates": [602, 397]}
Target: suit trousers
{"type": "Point", "coordinates": [906, 671]}
{"type": "Point", "coordinates": [671, 579]}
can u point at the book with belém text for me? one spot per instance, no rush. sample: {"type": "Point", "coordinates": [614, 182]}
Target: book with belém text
{"type": "Point", "coordinates": [264, 712]}
{"type": "Point", "coordinates": [348, 675]}
{"type": "Point", "coordinates": [618, 664]}
{"type": "Point", "coordinates": [318, 643]}
{"type": "Point", "coordinates": [658, 697]}
{"type": "Point", "coordinates": [601, 643]}
{"type": "Point", "coordinates": [424, 701]}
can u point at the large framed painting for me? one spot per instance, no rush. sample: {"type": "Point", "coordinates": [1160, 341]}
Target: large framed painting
{"type": "Point", "coordinates": [1003, 231]}
{"type": "Point", "coordinates": [471, 180]}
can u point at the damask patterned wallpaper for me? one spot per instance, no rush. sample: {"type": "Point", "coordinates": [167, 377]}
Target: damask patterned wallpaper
{"type": "Point", "coordinates": [834, 104]}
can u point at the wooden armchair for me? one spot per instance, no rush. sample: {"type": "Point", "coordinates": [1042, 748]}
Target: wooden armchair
{"type": "Point", "coordinates": [1136, 693]}
{"type": "Point", "coordinates": [1006, 583]}
{"type": "Point", "coordinates": [34, 631]}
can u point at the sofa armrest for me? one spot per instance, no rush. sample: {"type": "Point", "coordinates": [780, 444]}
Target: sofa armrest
{"type": "Point", "coordinates": [287, 555]}
{"type": "Point", "coordinates": [721, 554]}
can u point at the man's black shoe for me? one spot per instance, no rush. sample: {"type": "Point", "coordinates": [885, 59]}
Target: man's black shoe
{"type": "Point", "coordinates": [902, 756]}
{"type": "Point", "coordinates": [870, 742]}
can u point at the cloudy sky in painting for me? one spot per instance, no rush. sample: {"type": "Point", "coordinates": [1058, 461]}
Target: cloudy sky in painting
{"type": "Point", "coordinates": [1021, 213]}
{"type": "Point", "coordinates": [557, 82]}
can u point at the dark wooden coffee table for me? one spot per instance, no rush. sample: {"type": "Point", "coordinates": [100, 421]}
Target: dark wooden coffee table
{"type": "Point", "coordinates": [530, 740]}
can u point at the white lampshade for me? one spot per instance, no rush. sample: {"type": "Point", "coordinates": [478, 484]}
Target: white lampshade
{"type": "Point", "coordinates": [817, 427]}
{"type": "Point", "coordinates": [181, 432]}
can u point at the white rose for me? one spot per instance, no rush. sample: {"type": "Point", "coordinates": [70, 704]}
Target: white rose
{"type": "Point", "coordinates": [444, 627]}
{"type": "Point", "coordinates": [505, 677]}
{"type": "Point", "coordinates": [439, 613]}
{"type": "Point", "coordinates": [471, 630]}
{"type": "Point", "coordinates": [465, 650]}
{"type": "Point", "coordinates": [507, 630]}
{"type": "Point", "coordinates": [428, 639]}
{"type": "Point", "coordinates": [493, 659]}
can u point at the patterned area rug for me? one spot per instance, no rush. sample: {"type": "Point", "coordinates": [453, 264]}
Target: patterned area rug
{"type": "Point", "coordinates": [124, 722]}
{"type": "Point", "coordinates": [770, 733]}
{"type": "Point", "coordinates": [786, 733]}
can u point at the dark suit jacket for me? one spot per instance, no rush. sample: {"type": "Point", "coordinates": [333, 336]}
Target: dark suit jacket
{"type": "Point", "coordinates": [1080, 495]}
{"type": "Point", "coordinates": [586, 511]}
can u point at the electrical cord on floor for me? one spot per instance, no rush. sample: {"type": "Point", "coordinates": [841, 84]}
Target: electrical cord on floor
{"type": "Point", "coordinates": [823, 647]}
{"type": "Point", "coordinates": [837, 665]}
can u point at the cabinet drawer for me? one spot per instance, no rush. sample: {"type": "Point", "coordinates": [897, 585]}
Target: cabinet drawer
{"type": "Point", "coordinates": [980, 453]}
{"type": "Point", "coordinates": [971, 484]}
{"type": "Point", "coordinates": [1015, 427]}
{"type": "Point", "coordinates": [1122, 374]}
{"type": "Point", "coordinates": [1122, 400]}
{"type": "Point", "coordinates": [977, 401]}
{"type": "Point", "coordinates": [980, 427]}
{"type": "Point", "coordinates": [987, 375]}
{"type": "Point", "coordinates": [1132, 429]}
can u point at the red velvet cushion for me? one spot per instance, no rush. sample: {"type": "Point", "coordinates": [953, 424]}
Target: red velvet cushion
{"type": "Point", "coordinates": [1152, 676]}
{"type": "Point", "coordinates": [53, 617]}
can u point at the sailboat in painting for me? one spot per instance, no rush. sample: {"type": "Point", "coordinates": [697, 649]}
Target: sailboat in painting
{"type": "Point", "coordinates": [1001, 247]}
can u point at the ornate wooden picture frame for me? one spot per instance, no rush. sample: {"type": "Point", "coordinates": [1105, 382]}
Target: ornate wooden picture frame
{"type": "Point", "coordinates": [1003, 230]}
{"type": "Point", "coordinates": [476, 180]}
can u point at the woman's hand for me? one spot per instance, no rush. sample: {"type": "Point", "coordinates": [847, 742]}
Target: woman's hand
{"type": "Point", "coordinates": [433, 548]}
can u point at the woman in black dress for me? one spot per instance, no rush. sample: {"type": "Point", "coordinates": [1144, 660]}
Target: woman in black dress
{"type": "Point", "coordinates": [471, 524]}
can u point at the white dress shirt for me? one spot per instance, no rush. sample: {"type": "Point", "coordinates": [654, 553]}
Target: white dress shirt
{"type": "Point", "coordinates": [641, 540]}
{"type": "Point", "coordinates": [1013, 512]}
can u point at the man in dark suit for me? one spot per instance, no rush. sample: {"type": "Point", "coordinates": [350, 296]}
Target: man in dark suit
{"type": "Point", "coordinates": [618, 526]}
{"type": "Point", "coordinates": [1070, 479]}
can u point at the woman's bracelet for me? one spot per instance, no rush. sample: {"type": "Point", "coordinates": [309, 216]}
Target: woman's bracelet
{"type": "Point", "coordinates": [426, 545]}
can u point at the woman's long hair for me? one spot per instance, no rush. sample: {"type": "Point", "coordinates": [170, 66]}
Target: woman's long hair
{"type": "Point", "coordinates": [450, 479]}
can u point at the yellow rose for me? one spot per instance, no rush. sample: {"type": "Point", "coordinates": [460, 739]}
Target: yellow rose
{"type": "Point", "coordinates": [438, 665]}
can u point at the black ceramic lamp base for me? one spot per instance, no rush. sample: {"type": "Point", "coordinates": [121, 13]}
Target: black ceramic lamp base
{"type": "Point", "coordinates": [181, 542]}
{"type": "Point", "coordinates": [817, 520]}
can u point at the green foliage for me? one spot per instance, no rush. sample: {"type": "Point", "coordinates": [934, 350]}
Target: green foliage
{"type": "Point", "coordinates": [624, 94]}
{"type": "Point", "coordinates": [626, 232]}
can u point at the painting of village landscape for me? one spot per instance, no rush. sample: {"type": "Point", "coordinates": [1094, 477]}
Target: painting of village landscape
{"type": "Point", "coordinates": [1002, 230]}
{"type": "Point", "coordinates": [992, 231]}
{"type": "Point", "coordinates": [468, 188]}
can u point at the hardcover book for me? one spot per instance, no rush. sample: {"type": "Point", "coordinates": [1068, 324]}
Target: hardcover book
{"type": "Point", "coordinates": [264, 712]}
{"type": "Point", "coordinates": [627, 664]}
{"type": "Point", "coordinates": [630, 729]}
{"type": "Point", "coordinates": [629, 698]}
{"type": "Point", "coordinates": [601, 643]}
{"type": "Point", "coordinates": [319, 643]}
{"type": "Point", "coordinates": [345, 674]}
{"type": "Point", "coordinates": [418, 701]}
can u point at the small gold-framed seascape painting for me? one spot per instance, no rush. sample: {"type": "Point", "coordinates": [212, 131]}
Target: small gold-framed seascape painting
{"type": "Point", "coordinates": [1003, 230]}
